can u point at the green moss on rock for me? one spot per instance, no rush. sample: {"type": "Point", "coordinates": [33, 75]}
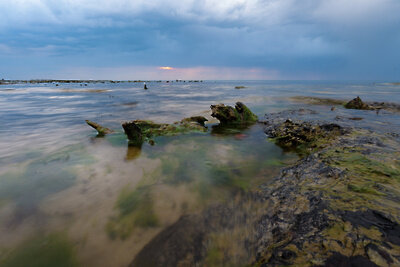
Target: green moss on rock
{"type": "Point", "coordinates": [241, 114]}
{"type": "Point", "coordinates": [135, 209]}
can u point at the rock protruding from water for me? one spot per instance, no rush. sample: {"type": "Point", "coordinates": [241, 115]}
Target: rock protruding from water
{"type": "Point", "coordinates": [357, 103]}
{"type": "Point", "coordinates": [302, 136]}
{"type": "Point", "coordinates": [229, 115]}
{"type": "Point", "coordinates": [139, 131]}
{"type": "Point", "coordinates": [100, 129]}
{"type": "Point", "coordinates": [196, 119]}
{"type": "Point", "coordinates": [134, 132]}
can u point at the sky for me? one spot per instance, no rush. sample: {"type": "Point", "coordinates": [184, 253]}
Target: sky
{"type": "Point", "coordinates": [200, 39]}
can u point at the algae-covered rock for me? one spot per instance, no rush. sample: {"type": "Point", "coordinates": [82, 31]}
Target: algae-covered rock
{"type": "Point", "coordinates": [134, 132]}
{"type": "Point", "coordinates": [357, 103]}
{"type": "Point", "coordinates": [139, 131]}
{"type": "Point", "coordinates": [303, 136]}
{"type": "Point", "coordinates": [100, 129]}
{"type": "Point", "coordinates": [197, 119]}
{"type": "Point", "coordinates": [229, 115]}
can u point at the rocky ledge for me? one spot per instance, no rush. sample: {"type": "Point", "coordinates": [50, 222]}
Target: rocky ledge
{"type": "Point", "coordinates": [337, 206]}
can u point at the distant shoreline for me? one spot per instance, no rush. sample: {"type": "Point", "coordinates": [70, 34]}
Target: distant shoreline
{"type": "Point", "coordinates": [41, 81]}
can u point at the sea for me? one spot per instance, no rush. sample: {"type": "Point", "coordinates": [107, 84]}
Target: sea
{"type": "Point", "coordinates": [68, 195]}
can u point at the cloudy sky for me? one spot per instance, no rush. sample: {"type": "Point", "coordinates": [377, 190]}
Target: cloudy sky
{"type": "Point", "coordinates": [200, 39]}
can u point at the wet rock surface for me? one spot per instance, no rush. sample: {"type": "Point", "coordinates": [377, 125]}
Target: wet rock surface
{"type": "Point", "coordinates": [197, 119]}
{"type": "Point", "coordinates": [139, 131]}
{"type": "Point", "coordinates": [337, 206]}
{"type": "Point", "coordinates": [229, 115]}
{"type": "Point", "coordinates": [100, 129]}
{"type": "Point", "coordinates": [357, 103]}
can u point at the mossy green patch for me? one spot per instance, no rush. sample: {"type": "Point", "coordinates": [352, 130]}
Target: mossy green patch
{"type": "Point", "coordinates": [42, 251]}
{"type": "Point", "coordinates": [214, 257]}
{"type": "Point", "coordinates": [383, 170]}
{"type": "Point", "coordinates": [151, 129]}
{"type": "Point", "coordinates": [241, 114]}
{"type": "Point", "coordinates": [135, 209]}
{"type": "Point", "coordinates": [365, 189]}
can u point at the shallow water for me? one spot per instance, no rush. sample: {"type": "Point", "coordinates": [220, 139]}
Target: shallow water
{"type": "Point", "coordinates": [98, 200]}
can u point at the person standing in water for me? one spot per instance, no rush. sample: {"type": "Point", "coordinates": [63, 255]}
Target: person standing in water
{"type": "Point", "coordinates": [145, 86]}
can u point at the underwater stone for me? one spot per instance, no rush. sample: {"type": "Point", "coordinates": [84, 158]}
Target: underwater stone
{"type": "Point", "coordinates": [100, 129]}
{"type": "Point", "coordinates": [357, 103]}
{"type": "Point", "coordinates": [227, 114]}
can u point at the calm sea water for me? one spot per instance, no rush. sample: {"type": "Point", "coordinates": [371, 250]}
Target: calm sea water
{"type": "Point", "coordinates": [97, 201]}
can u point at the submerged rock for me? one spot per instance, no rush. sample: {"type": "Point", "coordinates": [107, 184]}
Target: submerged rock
{"type": "Point", "coordinates": [228, 115]}
{"type": "Point", "coordinates": [100, 129]}
{"type": "Point", "coordinates": [357, 103]}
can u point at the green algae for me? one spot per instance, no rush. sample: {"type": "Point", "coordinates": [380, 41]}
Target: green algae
{"type": "Point", "coordinates": [214, 257]}
{"type": "Point", "coordinates": [140, 131]}
{"type": "Point", "coordinates": [383, 170]}
{"type": "Point", "coordinates": [151, 129]}
{"type": "Point", "coordinates": [42, 251]}
{"type": "Point", "coordinates": [135, 209]}
{"type": "Point", "coordinates": [241, 114]}
{"type": "Point", "coordinates": [303, 138]}
{"type": "Point", "coordinates": [364, 189]}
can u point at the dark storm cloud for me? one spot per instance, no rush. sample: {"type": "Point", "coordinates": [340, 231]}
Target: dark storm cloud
{"type": "Point", "coordinates": [328, 39]}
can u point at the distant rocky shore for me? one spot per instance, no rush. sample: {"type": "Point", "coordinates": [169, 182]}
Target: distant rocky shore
{"type": "Point", "coordinates": [43, 81]}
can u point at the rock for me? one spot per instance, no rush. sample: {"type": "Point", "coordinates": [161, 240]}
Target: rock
{"type": "Point", "coordinates": [357, 103]}
{"type": "Point", "coordinates": [183, 239]}
{"type": "Point", "coordinates": [228, 115]}
{"type": "Point", "coordinates": [338, 259]}
{"type": "Point", "coordinates": [133, 132]}
{"type": "Point", "coordinates": [302, 136]}
{"type": "Point", "coordinates": [197, 119]}
{"type": "Point", "coordinates": [139, 131]}
{"type": "Point", "coordinates": [100, 129]}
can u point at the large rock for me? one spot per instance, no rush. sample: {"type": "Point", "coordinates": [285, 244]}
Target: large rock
{"type": "Point", "coordinates": [139, 131]}
{"type": "Point", "coordinates": [229, 115]}
{"type": "Point", "coordinates": [357, 103]}
{"type": "Point", "coordinates": [134, 132]}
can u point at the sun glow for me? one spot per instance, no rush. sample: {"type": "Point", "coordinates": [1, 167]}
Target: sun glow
{"type": "Point", "coordinates": [166, 68]}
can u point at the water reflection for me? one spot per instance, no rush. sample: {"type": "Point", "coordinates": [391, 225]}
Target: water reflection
{"type": "Point", "coordinates": [133, 151]}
